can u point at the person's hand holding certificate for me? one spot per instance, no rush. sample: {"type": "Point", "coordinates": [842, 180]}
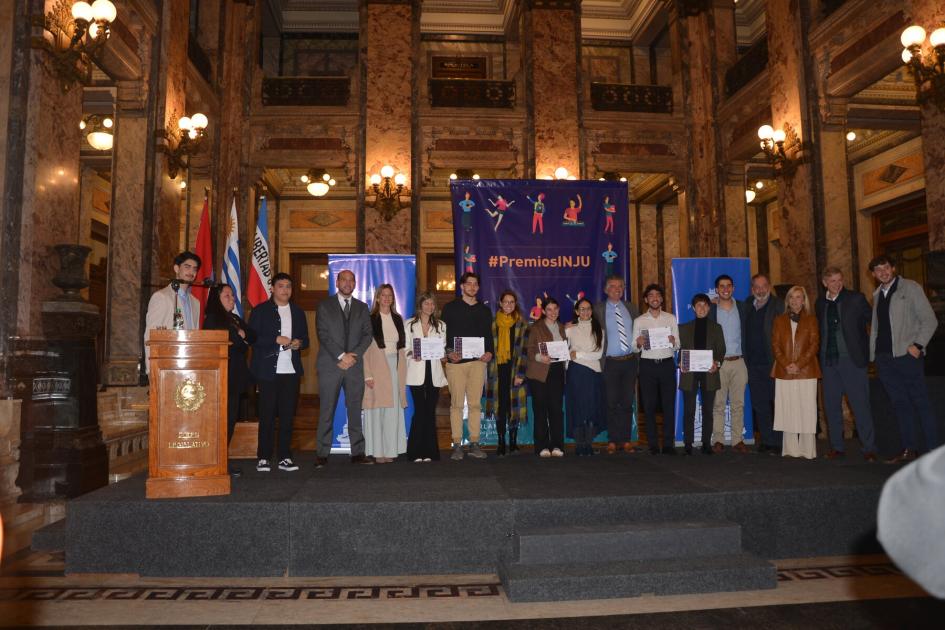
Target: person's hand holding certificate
{"type": "Point", "coordinates": [469, 347]}
{"type": "Point", "coordinates": [696, 360]}
{"type": "Point", "coordinates": [555, 350]}
{"type": "Point", "coordinates": [656, 338]}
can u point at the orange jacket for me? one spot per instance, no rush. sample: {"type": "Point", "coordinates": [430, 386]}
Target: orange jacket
{"type": "Point", "coordinates": [802, 350]}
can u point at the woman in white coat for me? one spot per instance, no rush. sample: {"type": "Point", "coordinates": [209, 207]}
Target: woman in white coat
{"type": "Point", "coordinates": [425, 378]}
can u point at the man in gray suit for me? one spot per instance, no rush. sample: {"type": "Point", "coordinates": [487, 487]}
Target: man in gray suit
{"type": "Point", "coordinates": [343, 324]}
{"type": "Point", "coordinates": [619, 363]}
{"type": "Point", "coordinates": [903, 324]}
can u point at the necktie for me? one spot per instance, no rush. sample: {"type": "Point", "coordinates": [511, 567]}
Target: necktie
{"type": "Point", "coordinates": [347, 308]}
{"type": "Point", "coordinates": [621, 329]}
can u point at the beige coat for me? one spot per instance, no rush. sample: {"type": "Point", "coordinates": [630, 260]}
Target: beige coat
{"type": "Point", "coordinates": [375, 368]}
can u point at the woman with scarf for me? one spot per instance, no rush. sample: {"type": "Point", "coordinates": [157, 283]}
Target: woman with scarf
{"type": "Point", "coordinates": [795, 341]}
{"type": "Point", "coordinates": [506, 396]}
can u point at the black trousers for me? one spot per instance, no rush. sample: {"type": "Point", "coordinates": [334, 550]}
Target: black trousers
{"type": "Point", "coordinates": [548, 403]}
{"type": "Point", "coordinates": [504, 398]}
{"type": "Point", "coordinates": [620, 387]}
{"type": "Point", "coordinates": [761, 389]}
{"type": "Point", "coordinates": [689, 413]}
{"type": "Point", "coordinates": [658, 381]}
{"type": "Point", "coordinates": [233, 394]}
{"type": "Point", "coordinates": [278, 397]}
{"type": "Point", "coordinates": [421, 443]}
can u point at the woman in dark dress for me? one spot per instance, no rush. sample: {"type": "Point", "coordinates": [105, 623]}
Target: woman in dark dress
{"type": "Point", "coordinates": [220, 316]}
{"type": "Point", "coordinates": [425, 378]}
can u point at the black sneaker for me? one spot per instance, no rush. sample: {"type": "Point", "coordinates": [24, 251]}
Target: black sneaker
{"type": "Point", "coordinates": [263, 466]}
{"type": "Point", "coordinates": [288, 465]}
{"type": "Point", "coordinates": [235, 471]}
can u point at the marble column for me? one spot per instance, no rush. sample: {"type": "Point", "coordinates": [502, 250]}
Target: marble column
{"type": "Point", "coordinates": [704, 47]}
{"type": "Point", "coordinates": [840, 235]}
{"type": "Point", "coordinates": [786, 69]}
{"type": "Point", "coordinates": [735, 211]}
{"type": "Point", "coordinates": [387, 56]}
{"type": "Point", "coordinates": [552, 66]}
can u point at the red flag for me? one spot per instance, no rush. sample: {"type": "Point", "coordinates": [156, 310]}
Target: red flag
{"type": "Point", "coordinates": [203, 249]}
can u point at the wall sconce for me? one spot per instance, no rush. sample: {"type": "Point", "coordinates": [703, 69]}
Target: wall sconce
{"type": "Point", "coordinates": [190, 135]}
{"type": "Point", "coordinates": [611, 176]}
{"type": "Point", "coordinates": [98, 130]}
{"type": "Point", "coordinates": [464, 173]}
{"type": "Point", "coordinates": [387, 189]}
{"type": "Point", "coordinates": [927, 71]}
{"type": "Point", "coordinates": [749, 195]}
{"type": "Point", "coordinates": [77, 31]}
{"type": "Point", "coordinates": [772, 143]}
{"type": "Point", "coordinates": [318, 181]}
{"type": "Point", "coordinates": [562, 173]}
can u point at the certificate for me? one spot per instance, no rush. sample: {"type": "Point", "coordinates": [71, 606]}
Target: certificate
{"type": "Point", "coordinates": [429, 348]}
{"type": "Point", "coordinates": [696, 360]}
{"type": "Point", "coordinates": [557, 350]}
{"type": "Point", "coordinates": [469, 347]}
{"type": "Point", "coordinates": [656, 338]}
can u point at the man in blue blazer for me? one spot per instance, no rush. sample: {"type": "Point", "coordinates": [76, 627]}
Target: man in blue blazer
{"type": "Point", "coordinates": [343, 323]}
{"type": "Point", "coordinates": [281, 335]}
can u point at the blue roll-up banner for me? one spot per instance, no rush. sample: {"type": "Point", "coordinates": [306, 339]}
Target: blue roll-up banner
{"type": "Point", "coordinates": [541, 239]}
{"type": "Point", "coordinates": [371, 271]}
{"type": "Point", "coordinates": [697, 275]}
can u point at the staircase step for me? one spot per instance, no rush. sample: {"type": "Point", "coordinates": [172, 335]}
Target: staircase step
{"type": "Point", "coordinates": [627, 541]}
{"type": "Point", "coordinates": [632, 578]}
{"type": "Point", "coordinates": [50, 537]}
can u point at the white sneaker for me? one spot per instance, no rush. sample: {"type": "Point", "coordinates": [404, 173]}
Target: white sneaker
{"type": "Point", "coordinates": [557, 453]}
{"type": "Point", "coordinates": [427, 459]}
{"type": "Point", "coordinates": [419, 460]}
{"type": "Point", "coordinates": [262, 465]}
{"type": "Point", "coordinates": [544, 453]}
{"type": "Point", "coordinates": [288, 465]}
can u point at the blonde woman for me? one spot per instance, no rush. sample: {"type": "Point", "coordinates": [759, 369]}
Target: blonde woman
{"type": "Point", "coordinates": [385, 379]}
{"type": "Point", "coordinates": [795, 342]}
{"type": "Point", "coordinates": [425, 378]}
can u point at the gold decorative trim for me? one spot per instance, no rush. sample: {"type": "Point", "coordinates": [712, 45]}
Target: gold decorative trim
{"type": "Point", "coordinates": [190, 395]}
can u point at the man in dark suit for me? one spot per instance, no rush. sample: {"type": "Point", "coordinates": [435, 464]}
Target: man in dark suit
{"type": "Point", "coordinates": [844, 317]}
{"type": "Point", "coordinates": [763, 307]}
{"type": "Point", "coordinates": [619, 364]}
{"type": "Point", "coordinates": [344, 331]}
{"type": "Point", "coordinates": [281, 335]}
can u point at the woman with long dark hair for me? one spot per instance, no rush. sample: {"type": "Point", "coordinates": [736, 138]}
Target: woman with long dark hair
{"type": "Point", "coordinates": [585, 384]}
{"type": "Point", "coordinates": [506, 396]}
{"type": "Point", "coordinates": [546, 382]}
{"type": "Point", "coordinates": [220, 316]}
{"type": "Point", "coordinates": [385, 380]}
{"type": "Point", "coordinates": [425, 378]}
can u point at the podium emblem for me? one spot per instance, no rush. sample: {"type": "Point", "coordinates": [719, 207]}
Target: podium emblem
{"type": "Point", "coordinates": [190, 395]}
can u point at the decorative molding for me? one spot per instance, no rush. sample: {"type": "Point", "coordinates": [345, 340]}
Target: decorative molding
{"type": "Point", "coordinates": [656, 99]}
{"type": "Point", "coordinates": [306, 91]}
{"type": "Point", "coordinates": [472, 93]}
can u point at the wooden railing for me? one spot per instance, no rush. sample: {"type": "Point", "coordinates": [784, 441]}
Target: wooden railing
{"type": "Point", "coordinates": [749, 66]}
{"type": "Point", "coordinates": [620, 97]}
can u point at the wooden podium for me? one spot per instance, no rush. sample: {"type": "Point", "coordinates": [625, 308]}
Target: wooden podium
{"type": "Point", "coordinates": [187, 425]}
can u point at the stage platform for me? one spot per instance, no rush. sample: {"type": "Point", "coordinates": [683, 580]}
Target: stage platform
{"type": "Point", "coordinates": [473, 516]}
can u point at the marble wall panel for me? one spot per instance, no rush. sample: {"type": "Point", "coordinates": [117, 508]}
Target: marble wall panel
{"type": "Point", "coordinates": [555, 90]}
{"type": "Point", "coordinates": [671, 218]}
{"type": "Point", "coordinates": [736, 228]}
{"type": "Point", "coordinates": [649, 270]}
{"type": "Point", "coordinates": [839, 232]}
{"type": "Point", "coordinates": [6, 48]}
{"type": "Point", "coordinates": [389, 60]}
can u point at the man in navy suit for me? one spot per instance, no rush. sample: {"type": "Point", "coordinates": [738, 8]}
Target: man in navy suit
{"type": "Point", "coordinates": [281, 335]}
{"type": "Point", "coordinates": [343, 323]}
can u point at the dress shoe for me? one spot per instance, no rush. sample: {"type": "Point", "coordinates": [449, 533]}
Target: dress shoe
{"type": "Point", "coordinates": [611, 448]}
{"type": "Point", "coordinates": [234, 471]}
{"type": "Point", "coordinates": [706, 449]}
{"type": "Point", "coordinates": [740, 448]}
{"type": "Point", "coordinates": [500, 447]}
{"type": "Point", "coordinates": [718, 447]}
{"type": "Point", "coordinates": [834, 454]}
{"type": "Point", "coordinates": [669, 450]}
{"type": "Point", "coordinates": [362, 459]}
{"type": "Point", "coordinates": [870, 457]}
{"type": "Point", "coordinates": [688, 449]}
{"type": "Point", "coordinates": [320, 462]}
{"type": "Point", "coordinates": [654, 450]}
{"type": "Point", "coordinates": [906, 455]}
{"type": "Point", "coordinates": [763, 448]}
{"type": "Point", "coordinates": [628, 447]}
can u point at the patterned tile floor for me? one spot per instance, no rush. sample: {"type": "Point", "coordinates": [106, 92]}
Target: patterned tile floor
{"type": "Point", "coordinates": [35, 591]}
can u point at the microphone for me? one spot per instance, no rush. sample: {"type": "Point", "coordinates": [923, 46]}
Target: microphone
{"type": "Point", "coordinates": [176, 283]}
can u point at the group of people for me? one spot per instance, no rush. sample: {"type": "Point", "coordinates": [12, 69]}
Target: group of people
{"type": "Point", "coordinates": [777, 349]}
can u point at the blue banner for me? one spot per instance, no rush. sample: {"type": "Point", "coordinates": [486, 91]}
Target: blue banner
{"type": "Point", "coordinates": [541, 239]}
{"type": "Point", "coordinates": [697, 275]}
{"type": "Point", "coordinates": [371, 271]}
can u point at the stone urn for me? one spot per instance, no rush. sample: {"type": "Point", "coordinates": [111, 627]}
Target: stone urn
{"type": "Point", "coordinates": [71, 277]}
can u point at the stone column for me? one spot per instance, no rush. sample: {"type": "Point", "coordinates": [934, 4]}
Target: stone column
{"type": "Point", "coordinates": [553, 65]}
{"type": "Point", "coordinates": [387, 58]}
{"type": "Point", "coordinates": [796, 188]}
{"type": "Point", "coordinates": [840, 235]}
{"type": "Point", "coordinates": [735, 211]}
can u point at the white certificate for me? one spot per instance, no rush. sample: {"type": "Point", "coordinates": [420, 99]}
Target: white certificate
{"type": "Point", "coordinates": [696, 360]}
{"type": "Point", "coordinates": [469, 347]}
{"type": "Point", "coordinates": [432, 348]}
{"type": "Point", "coordinates": [656, 338]}
{"type": "Point", "coordinates": [557, 350]}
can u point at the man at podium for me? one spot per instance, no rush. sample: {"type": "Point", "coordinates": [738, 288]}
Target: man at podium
{"type": "Point", "coordinates": [174, 304]}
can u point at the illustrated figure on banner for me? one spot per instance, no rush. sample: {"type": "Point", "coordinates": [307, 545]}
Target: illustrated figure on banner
{"type": "Point", "coordinates": [467, 205]}
{"type": "Point", "coordinates": [468, 258]}
{"type": "Point", "coordinates": [538, 212]}
{"type": "Point", "coordinates": [575, 300]}
{"type": "Point", "coordinates": [572, 211]}
{"type": "Point", "coordinates": [609, 257]}
{"type": "Point", "coordinates": [501, 207]}
{"type": "Point", "coordinates": [610, 211]}
{"type": "Point", "coordinates": [535, 313]}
